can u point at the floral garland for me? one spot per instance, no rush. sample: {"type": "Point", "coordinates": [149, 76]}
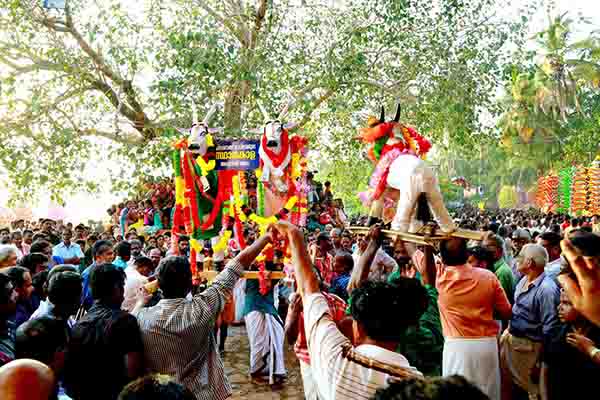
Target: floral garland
{"type": "Point", "coordinates": [206, 167]}
{"type": "Point", "coordinates": [262, 279]}
{"type": "Point", "coordinates": [378, 180]}
{"type": "Point", "coordinates": [243, 214]}
{"type": "Point", "coordinates": [277, 160]}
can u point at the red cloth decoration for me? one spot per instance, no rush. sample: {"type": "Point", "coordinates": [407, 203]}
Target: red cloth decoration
{"type": "Point", "coordinates": [370, 135]}
{"type": "Point", "coordinates": [277, 159]}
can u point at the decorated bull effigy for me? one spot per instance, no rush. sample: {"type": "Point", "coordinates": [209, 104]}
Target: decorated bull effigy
{"type": "Point", "coordinates": [212, 195]}
{"type": "Point", "coordinates": [200, 190]}
{"type": "Point", "coordinates": [283, 168]}
{"type": "Point", "coordinates": [575, 190]}
{"type": "Point", "coordinates": [401, 174]}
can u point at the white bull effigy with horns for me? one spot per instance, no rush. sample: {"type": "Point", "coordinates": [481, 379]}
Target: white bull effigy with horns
{"type": "Point", "coordinates": [397, 151]}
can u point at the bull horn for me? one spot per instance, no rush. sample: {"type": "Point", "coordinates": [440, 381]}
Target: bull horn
{"type": "Point", "coordinates": [263, 111]}
{"type": "Point", "coordinates": [382, 118]}
{"type": "Point", "coordinates": [211, 112]}
{"type": "Point", "coordinates": [398, 112]}
{"type": "Point", "coordinates": [194, 113]}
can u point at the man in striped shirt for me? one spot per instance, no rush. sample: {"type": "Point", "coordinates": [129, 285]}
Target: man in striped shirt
{"type": "Point", "coordinates": [178, 331]}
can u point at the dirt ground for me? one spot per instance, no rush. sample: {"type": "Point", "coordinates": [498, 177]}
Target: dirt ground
{"type": "Point", "coordinates": [237, 361]}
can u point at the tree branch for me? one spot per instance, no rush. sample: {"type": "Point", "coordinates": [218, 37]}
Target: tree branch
{"type": "Point", "coordinates": [134, 110]}
{"type": "Point", "coordinates": [222, 20]}
{"type": "Point", "coordinates": [316, 105]}
{"type": "Point", "coordinates": [117, 137]}
{"type": "Point", "coordinates": [259, 18]}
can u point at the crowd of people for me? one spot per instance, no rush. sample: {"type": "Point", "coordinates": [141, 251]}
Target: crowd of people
{"type": "Point", "coordinates": [117, 314]}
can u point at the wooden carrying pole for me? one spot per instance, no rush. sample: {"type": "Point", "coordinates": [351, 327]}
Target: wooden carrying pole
{"type": "Point", "coordinates": [421, 238]}
{"type": "Point", "coordinates": [211, 275]}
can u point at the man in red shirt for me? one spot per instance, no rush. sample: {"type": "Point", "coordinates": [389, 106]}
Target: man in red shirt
{"type": "Point", "coordinates": [323, 259]}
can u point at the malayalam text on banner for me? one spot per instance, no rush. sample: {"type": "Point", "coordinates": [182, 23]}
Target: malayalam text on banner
{"type": "Point", "coordinates": [239, 154]}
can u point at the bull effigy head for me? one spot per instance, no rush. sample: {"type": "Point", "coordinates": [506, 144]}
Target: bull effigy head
{"type": "Point", "coordinates": [379, 130]}
{"type": "Point", "coordinates": [200, 140]}
{"type": "Point", "coordinates": [273, 131]}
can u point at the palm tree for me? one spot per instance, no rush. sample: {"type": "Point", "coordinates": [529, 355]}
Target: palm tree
{"type": "Point", "coordinates": [542, 98]}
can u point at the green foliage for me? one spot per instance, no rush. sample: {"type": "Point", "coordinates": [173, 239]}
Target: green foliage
{"type": "Point", "coordinates": [452, 193]}
{"type": "Point", "coordinates": [106, 83]}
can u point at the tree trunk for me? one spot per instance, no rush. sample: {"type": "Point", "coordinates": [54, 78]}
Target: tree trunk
{"type": "Point", "coordinates": [235, 97]}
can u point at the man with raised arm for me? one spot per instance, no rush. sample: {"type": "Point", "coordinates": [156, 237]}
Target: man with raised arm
{"type": "Point", "coordinates": [341, 370]}
{"type": "Point", "coordinates": [178, 331]}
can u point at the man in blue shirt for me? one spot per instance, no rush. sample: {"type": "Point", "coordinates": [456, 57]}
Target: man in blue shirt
{"type": "Point", "coordinates": [534, 322]}
{"type": "Point", "coordinates": [102, 252]}
{"type": "Point", "coordinates": [123, 250]}
{"type": "Point", "coordinates": [70, 252]}
{"type": "Point", "coordinates": [342, 266]}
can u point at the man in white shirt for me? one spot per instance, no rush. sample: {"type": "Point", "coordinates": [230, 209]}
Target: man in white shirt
{"type": "Point", "coordinates": [383, 264]}
{"type": "Point", "coordinates": [136, 276]}
{"type": "Point", "coordinates": [136, 251]}
{"type": "Point", "coordinates": [70, 252]}
{"type": "Point", "coordinates": [342, 371]}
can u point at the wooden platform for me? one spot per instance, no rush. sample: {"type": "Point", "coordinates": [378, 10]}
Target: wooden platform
{"type": "Point", "coordinates": [423, 238]}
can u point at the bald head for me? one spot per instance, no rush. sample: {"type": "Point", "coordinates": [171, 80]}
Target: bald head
{"type": "Point", "coordinates": [26, 379]}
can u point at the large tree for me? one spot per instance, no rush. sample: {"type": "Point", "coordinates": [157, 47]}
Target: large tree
{"type": "Point", "coordinates": [112, 79]}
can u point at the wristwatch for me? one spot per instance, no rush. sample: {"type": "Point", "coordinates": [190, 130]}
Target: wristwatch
{"type": "Point", "coordinates": [593, 353]}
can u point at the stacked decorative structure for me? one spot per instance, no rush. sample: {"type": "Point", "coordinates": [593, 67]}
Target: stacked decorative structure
{"type": "Point", "coordinates": [579, 191]}
{"type": "Point", "coordinates": [594, 187]}
{"type": "Point", "coordinates": [565, 181]}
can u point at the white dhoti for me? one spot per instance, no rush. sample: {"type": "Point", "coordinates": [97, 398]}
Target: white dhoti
{"type": "Point", "coordinates": [476, 359]}
{"type": "Point", "coordinates": [311, 392]}
{"type": "Point", "coordinates": [265, 334]}
{"type": "Point", "coordinates": [239, 299]}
